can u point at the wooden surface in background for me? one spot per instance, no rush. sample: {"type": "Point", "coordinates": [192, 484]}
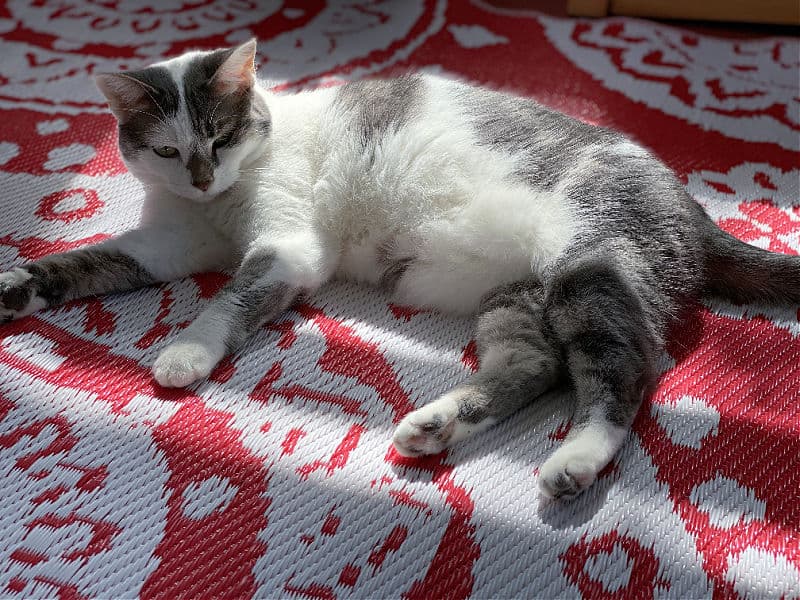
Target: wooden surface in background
{"type": "Point", "coordinates": [784, 12]}
{"type": "Point", "coordinates": [588, 8]}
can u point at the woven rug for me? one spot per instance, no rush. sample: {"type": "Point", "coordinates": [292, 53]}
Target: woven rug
{"type": "Point", "coordinates": [276, 477]}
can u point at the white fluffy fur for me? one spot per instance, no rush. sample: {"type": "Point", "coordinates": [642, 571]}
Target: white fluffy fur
{"type": "Point", "coordinates": [437, 195]}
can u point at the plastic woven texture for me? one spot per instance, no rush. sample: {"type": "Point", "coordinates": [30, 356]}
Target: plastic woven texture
{"type": "Point", "coordinates": [275, 477]}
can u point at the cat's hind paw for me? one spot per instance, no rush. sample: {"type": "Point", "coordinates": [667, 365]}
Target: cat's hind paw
{"type": "Point", "coordinates": [566, 474]}
{"type": "Point", "coordinates": [182, 363]}
{"type": "Point", "coordinates": [430, 429]}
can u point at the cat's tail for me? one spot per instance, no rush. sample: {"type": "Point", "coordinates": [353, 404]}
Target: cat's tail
{"type": "Point", "coordinates": [743, 273]}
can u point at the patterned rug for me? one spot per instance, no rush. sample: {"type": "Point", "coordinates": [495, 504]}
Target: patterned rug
{"type": "Point", "coordinates": [276, 476]}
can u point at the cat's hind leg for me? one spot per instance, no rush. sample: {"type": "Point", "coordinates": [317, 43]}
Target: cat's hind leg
{"type": "Point", "coordinates": [609, 343]}
{"type": "Point", "coordinates": [518, 362]}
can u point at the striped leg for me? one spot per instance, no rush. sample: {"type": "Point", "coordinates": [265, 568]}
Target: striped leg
{"type": "Point", "coordinates": [609, 346]}
{"type": "Point", "coordinates": [269, 278]}
{"type": "Point", "coordinates": [134, 259]}
{"type": "Point", "coordinates": [517, 364]}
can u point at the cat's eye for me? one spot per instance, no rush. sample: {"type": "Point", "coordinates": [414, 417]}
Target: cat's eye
{"type": "Point", "coordinates": [166, 151]}
{"type": "Point", "coordinates": [221, 142]}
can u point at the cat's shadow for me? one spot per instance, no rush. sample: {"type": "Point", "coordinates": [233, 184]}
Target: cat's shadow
{"type": "Point", "coordinates": [526, 438]}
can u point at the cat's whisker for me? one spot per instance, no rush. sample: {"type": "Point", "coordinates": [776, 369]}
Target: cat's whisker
{"type": "Point", "coordinates": [214, 111]}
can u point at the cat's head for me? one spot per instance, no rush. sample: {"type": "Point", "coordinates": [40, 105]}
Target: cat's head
{"type": "Point", "coordinates": [188, 124]}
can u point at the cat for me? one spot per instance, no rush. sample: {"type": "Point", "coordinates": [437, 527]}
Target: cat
{"type": "Point", "coordinates": [575, 247]}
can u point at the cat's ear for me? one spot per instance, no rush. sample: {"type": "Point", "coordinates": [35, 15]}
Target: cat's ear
{"type": "Point", "coordinates": [238, 72]}
{"type": "Point", "coordinates": [126, 93]}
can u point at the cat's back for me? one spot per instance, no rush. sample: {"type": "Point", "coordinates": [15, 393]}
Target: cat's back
{"type": "Point", "coordinates": [408, 180]}
{"type": "Point", "coordinates": [405, 141]}
{"type": "Point", "coordinates": [425, 130]}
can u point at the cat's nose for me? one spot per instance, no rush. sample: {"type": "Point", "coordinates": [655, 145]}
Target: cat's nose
{"type": "Point", "coordinates": [201, 170]}
{"type": "Point", "coordinates": [203, 184]}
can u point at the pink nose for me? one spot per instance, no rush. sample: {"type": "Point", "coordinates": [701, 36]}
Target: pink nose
{"type": "Point", "coordinates": [203, 184]}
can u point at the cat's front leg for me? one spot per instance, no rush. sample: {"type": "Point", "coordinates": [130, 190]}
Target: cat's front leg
{"type": "Point", "coordinates": [134, 259]}
{"type": "Point", "coordinates": [270, 277]}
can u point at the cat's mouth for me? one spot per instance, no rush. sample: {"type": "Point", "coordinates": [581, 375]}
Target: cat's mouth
{"type": "Point", "coordinates": [198, 195]}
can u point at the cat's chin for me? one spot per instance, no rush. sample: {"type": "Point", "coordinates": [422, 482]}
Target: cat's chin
{"type": "Point", "coordinates": [202, 198]}
{"type": "Point", "coordinates": [198, 196]}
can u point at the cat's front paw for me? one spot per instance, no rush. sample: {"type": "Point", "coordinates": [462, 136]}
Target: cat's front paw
{"type": "Point", "coordinates": [183, 363]}
{"type": "Point", "coordinates": [567, 473]}
{"type": "Point", "coordinates": [17, 295]}
{"type": "Point", "coordinates": [427, 430]}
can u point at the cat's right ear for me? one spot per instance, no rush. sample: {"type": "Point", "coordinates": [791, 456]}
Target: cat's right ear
{"type": "Point", "coordinates": [238, 72]}
{"type": "Point", "coordinates": [125, 93]}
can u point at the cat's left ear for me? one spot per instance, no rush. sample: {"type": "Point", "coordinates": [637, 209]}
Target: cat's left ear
{"type": "Point", "coordinates": [127, 93]}
{"type": "Point", "coordinates": [238, 72]}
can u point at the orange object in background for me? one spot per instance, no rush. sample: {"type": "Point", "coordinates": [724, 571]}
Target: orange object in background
{"type": "Point", "coordinates": [778, 12]}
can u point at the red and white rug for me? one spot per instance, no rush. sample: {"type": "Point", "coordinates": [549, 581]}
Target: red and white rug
{"type": "Point", "coordinates": [276, 477]}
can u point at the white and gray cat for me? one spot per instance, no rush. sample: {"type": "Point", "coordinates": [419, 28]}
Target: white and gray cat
{"type": "Point", "coordinates": [575, 247]}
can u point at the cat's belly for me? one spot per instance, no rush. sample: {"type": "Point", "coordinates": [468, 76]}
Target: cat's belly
{"type": "Point", "coordinates": [434, 272]}
{"type": "Point", "coordinates": [362, 262]}
{"type": "Point", "coordinates": [451, 257]}
{"type": "Point", "coordinates": [455, 286]}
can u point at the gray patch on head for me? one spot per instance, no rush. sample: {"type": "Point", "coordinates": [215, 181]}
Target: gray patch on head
{"type": "Point", "coordinates": [199, 94]}
{"type": "Point", "coordinates": [376, 107]}
{"type": "Point", "coordinates": [163, 90]}
{"type": "Point", "coordinates": [162, 103]}
{"type": "Point", "coordinates": [229, 117]}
